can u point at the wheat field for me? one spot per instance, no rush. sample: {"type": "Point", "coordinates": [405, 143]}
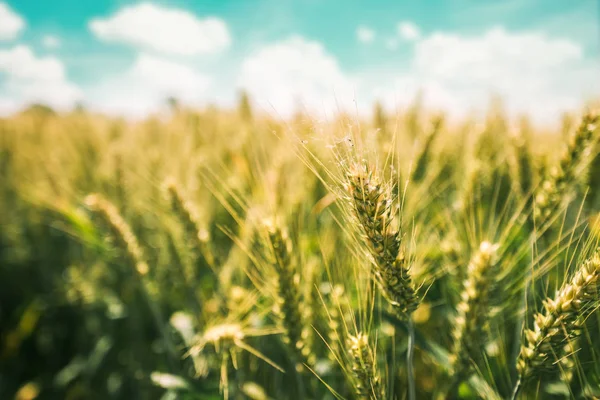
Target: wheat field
{"type": "Point", "coordinates": [209, 254]}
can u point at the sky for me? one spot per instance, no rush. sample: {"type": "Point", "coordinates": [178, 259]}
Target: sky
{"type": "Point", "coordinates": [542, 57]}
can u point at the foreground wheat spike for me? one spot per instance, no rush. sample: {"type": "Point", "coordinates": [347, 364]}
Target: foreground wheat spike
{"type": "Point", "coordinates": [119, 230]}
{"type": "Point", "coordinates": [560, 323]}
{"type": "Point", "coordinates": [364, 369]}
{"type": "Point", "coordinates": [372, 205]}
{"type": "Point", "coordinates": [555, 185]}
{"type": "Point", "coordinates": [473, 309]}
{"type": "Point", "coordinates": [296, 335]}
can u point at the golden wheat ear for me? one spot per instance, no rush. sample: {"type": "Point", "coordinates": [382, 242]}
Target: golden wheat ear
{"type": "Point", "coordinates": [559, 324]}
{"type": "Point", "coordinates": [473, 309]}
{"type": "Point", "coordinates": [120, 232]}
{"type": "Point", "coordinates": [561, 177]}
{"type": "Point", "coordinates": [372, 207]}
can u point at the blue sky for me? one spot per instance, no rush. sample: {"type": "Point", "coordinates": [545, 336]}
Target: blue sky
{"type": "Point", "coordinates": [541, 56]}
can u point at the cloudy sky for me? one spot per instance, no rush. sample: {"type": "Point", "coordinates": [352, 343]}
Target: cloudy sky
{"type": "Point", "coordinates": [126, 57]}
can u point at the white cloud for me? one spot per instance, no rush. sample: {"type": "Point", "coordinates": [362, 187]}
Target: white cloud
{"type": "Point", "coordinates": [533, 73]}
{"type": "Point", "coordinates": [166, 30]}
{"type": "Point", "coordinates": [365, 34]}
{"type": "Point", "coordinates": [296, 73]}
{"type": "Point", "coordinates": [400, 92]}
{"type": "Point", "coordinates": [19, 63]}
{"type": "Point", "coordinates": [147, 84]}
{"type": "Point", "coordinates": [408, 31]}
{"type": "Point", "coordinates": [31, 79]}
{"type": "Point", "coordinates": [51, 42]}
{"type": "Point", "coordinates": [169, 78]}
{"type": "Point", "coordinates": [11, 24]}
{"type": "Point", "coordinates": [493, 54]}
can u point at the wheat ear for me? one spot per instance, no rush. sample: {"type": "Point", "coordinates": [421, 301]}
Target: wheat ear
{"type": "Point", "coordinates": [289, 307]}
{"type": "Point", "coordinates": [120, 232]}
{"type": "Point", "coordinates": [473, 309]}
{"type": "Point", "coordinates": [126, 242]}
{"type": "Point", "coordinates": [555, 185]}
{"type": "Point", "coordinates": [197, 237]}
{"type": "Point", "coordinates": [372, 206]}
{"type": "Point", "coordinates": [560, 323]}
{"type": "Point", "coordinates": [364, 368]}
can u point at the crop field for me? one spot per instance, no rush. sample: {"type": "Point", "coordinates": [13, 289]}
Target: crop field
{"type": "Point", "coordinates": [213, 253]}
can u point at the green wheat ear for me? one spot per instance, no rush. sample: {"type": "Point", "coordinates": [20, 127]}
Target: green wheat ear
{"type": "Point", "coordinates": [364, 369]}
{"type": "Point", "coordinates": [289, 304]}
{"type": "Point", "coordinates": [372, 206]}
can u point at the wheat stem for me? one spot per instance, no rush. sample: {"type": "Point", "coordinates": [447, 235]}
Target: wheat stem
{"type": "Point", "coordinates": [516, 390]}
{"type": "Point", "coordinates": [409, 360]}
